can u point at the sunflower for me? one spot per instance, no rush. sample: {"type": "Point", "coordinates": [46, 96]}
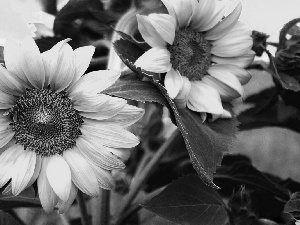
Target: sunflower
{"type": "Point", "coordinates": [56, 126]}
{"type": "Point", "coordinates": [202, 51]}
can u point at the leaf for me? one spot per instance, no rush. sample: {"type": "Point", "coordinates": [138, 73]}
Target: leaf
{"type": "Point", "coordinates": [6, 219]}
{"type": "Point", "coordinates": [243, 173]}
{"type": "Point", "coordinates": [136, 90]}
{"type": "Point", "coordinates": [293, 205]}
{"type": "Point", "coordinates": [205, 142]}
{"type": "Point", "coordinates": [189, 201]}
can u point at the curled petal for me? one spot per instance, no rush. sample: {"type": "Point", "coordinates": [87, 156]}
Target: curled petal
{"type": "Point", "coordinates": [64, 206]}
{"type": "Point", "coordinates": [203, 98]}
{"type": "Point", "coordinates": [173, 83]}
{"type": "Point", "coordinates": [182, 97]}
{"type": "Point", "coordinates": [240, 61]}
{"type": "Point", "coordinates": [155, 60]}
{"type": "Point", "coordinates": [224, 115]}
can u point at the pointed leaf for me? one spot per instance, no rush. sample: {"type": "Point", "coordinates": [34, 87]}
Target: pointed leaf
{"type": "Point", "coordinates": [136, 90]}
{"type": "Point", "coordinates": [189, 201]}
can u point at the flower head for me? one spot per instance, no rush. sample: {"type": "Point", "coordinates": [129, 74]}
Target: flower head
{"type": "Point", "coordinates": [56, 126]}
{"type": "Point", "coordinates": [202, 51]}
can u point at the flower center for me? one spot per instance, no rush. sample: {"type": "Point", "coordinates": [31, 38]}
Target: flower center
{"type": "Point", "coordinates": [190, 54]}
{"type": "Point", "coordinates": [45, 122]}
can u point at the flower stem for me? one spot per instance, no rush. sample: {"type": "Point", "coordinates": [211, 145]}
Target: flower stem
{"type": "Point", "coordinates": [142, 177]}
{"type": "Point", "coordinates": [133, 209]}
{"type": "Point", "coordinates": [104, 207]}
{"type": "Point", "coordinates": [83, 210]}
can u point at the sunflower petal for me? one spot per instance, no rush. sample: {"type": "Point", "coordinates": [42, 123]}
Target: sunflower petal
{"type": "Point", "coordinates": [47, 196]}
{"type": "Point", "coordinates": [10, 84]}
{"type": "Point", "coordinates": [227, 80]}
{"type": "Point", "coordinates": [216, 16]}
{"type": "Point", "coordinates": [6, 136]}
{"type": "Point", "coordinates": [149, 33]}
{"type": "Point", "coordinates": [13, 61]}
{"type": "Point", "coordinates": [64, 206]}
{"type": "Point", "coordinates": [236, 43]}
{"type": "Point", "coordinates": [23, 171]}
{"type": "Point", "coordinates": [95, 82]}
{"type": "Point", "coordinates": [126, 117]}
{"type": "Point", "coordinates": [104, 177]}
{"type": "Point", "coordinates": [32, 63]}
{"type": "Point", "coordinates": [182, 97]}
{"type": "Point", "coordinates": [65, 70]}
{"type": "Point", "coordinates": [222, 28]}
{"type": "Point", "coordinates": [6, 100]}
{"type": "Point", "coordinates": [173, 83]}
{"type": "Point", "coordinates": [242, 75]}
{"type": "Point", "coordinates": [203, 98]}
{"type": "Point", "coordinates": [165, 25]}
{"type": "Point", "coordinates": [88, 102]}
{"type": "Point", "coordinates": [111, 108]}
{"type": "Point", "coordinates": [51, 60]}
{"type": "Point", "coordinates": [7, 161]}
{"type": "Point", "coordinates": [240, 61]}
{"type": "Point", "coordinates": [82, 173]}
{"type": "Point", "coordinates": [155, 60]}
{"type": "Point", "coordinates": [111, 136]}
{"type": "Point", "coordinates": [202, 11]}
{"type": "Point", "coordinates": [59, 176]}
{"type": "Point", "coordinates": [82, 59]}
{"type": "Point", "coordinates": [98, 154]}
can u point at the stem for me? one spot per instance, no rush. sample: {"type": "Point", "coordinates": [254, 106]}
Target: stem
{"type": "Point", "coordinates": [137, 207]}
{"type": "Point", "coordinates": [143, 176]}
{"type": "Point", "coordinates": [104, 207]}
{"type": "Point", "coordinates": [83, 210]}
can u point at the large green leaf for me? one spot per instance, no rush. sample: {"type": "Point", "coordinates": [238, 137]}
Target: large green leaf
{"type": "Point", "coordinates": [206, 142]}
{"type": "Point", "coordinates": [136, 90]}
{"type": "Point", "coordinates": [189, 201]}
